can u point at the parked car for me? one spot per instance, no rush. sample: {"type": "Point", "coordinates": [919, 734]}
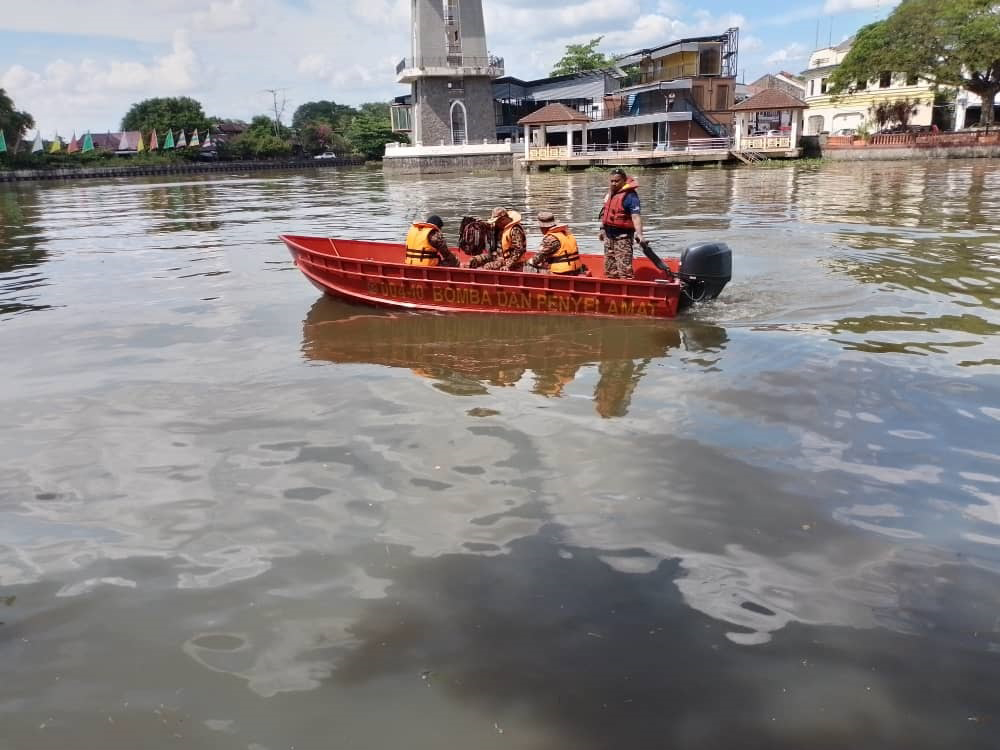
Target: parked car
{"type": "Point", "coordinates": [326, 155]}
{"type": "Point", "coordinates": [845, 131]}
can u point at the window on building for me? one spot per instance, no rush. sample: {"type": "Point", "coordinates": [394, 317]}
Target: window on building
{"type": "Point", "coordinates": [885, 79]}
{"type": "Point", "coordinates": [459, 128]}
{"type": "Point", "coordinates": [822, 85]}
{"type": "Point", "coordinates": [820, 61]}
{"type": "Point", "coordinates": [911, 79]}
{"type": "Point", "coordinates": [710, 62]}
{"type": "Point", "coordinates": [861, 85]}
{"type": "Point", "coordinates": [400, 118]}
{"type": "Point", "coordinates": [816, 123]}
{"type": "Point", "coordinates": [812, 87]}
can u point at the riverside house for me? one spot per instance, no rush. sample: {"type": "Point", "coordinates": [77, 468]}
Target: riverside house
{"type": "Point", "coordinates": [848, 111]}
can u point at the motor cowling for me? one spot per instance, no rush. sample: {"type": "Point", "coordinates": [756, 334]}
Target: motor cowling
{"type": "Point", "coordinates": [705, 269]}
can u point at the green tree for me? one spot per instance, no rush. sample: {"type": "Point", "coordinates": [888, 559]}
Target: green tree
{"type": "Point", "coordinates": [13, 123]}
{"type": "Point", "coordinates": [947, 42]}
{"type": "Point", "coordinates": [368, 135]}
{"type": "Point", "coordinates": [338, 116]}
{"type": "Point", "coordinates": [317, 137]}
{"type": "Point", "coordinates": [165, 113]}
{"type": "Point", "coordinates": [258, 141]}
{"type": "Point", "coordinates": [375, 109]}
{"type": "Point", "coordinates": [264, 125]}
{"type": "Point", "coordinates": [582, 57]}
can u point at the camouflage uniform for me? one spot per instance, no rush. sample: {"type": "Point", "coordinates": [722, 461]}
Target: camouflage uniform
{"type": "Point", "coordinates": [447, 256]}
{"type": "Point", "coordinates": [504, 260]}
{"type": "Point", "coordinates": [618, 255]}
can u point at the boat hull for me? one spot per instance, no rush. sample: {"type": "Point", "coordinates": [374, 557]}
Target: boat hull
{"type": "Point", "coordinates": [369, 272]}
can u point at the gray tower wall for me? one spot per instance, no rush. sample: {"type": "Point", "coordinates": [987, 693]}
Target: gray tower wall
{"type": "Point", "coordinates": [432, 94]}
{"type": "Point", "coordinates": [428, 29]}
{"type": "Point", "coordinates": [432, 119]}
{"type": "Point", "coordinates": [473, 28]}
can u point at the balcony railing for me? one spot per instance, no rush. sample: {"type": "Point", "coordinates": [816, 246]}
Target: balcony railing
{"type": "Point", "coordinates": [766, 142]}
{"type": "Point", "coordinates": [635, 148]}
{"type": "Point", "coordinates": [668, 73]}
{"type": "Point", "coordinates": [491, 65]}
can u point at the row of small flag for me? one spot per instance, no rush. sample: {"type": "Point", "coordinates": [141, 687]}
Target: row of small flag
{"type": "Point", "coordinates": [125, 143]}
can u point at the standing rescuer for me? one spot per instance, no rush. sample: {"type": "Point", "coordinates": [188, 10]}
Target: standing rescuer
{"type": "Point", "coordinates": [559, 251]}
{"type": "Point", "coordinates": [425, 244]}
{"type": "Point", "coordinates": [621, 224]}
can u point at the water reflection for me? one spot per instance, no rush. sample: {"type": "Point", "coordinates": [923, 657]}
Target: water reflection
{"type": "Point", "coordinates": [183, 208]}
{"type": "Point", "coordinates": [465, 355]}
{"type": "Point", "coordinates": [21, 250]}
{"type": "Point", "coordinates": [552, 635]}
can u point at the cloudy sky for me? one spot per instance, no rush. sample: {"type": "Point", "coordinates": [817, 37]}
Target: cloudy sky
{"type": "Point", "coordinates": [78, 66]}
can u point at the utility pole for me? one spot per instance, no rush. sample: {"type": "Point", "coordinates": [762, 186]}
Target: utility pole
{"type": "Point", "coordinates": [279, 109]}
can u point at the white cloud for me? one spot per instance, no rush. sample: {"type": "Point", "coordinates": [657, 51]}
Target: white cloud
{"type": "Point", "coordinates": [751, 43]}
{"type": "Point", "coordinates": [705, 23]}
{"type": "Point", "coordinates": [225, 16]}
{"type": "Point", "coordinates": [841, 6]}
{"type": "Point", "coordinates": [647, 30]}
{"type": "Point", "coordinates": [383, 12]}
{"type": "Point", "coordinates": [63, 92]}
{"type": "Point", "coordinates": [793, 51]}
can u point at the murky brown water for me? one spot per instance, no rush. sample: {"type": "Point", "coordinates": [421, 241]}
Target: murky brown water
{"type": "Point", "coordinates": [236, 515]}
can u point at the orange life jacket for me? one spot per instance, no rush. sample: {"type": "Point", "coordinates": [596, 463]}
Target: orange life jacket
{"type": "Point", "coordinates": [505, 242]}
{"type": "Point", "coordinates": [419, 250]}
{"type": "Point", "coordinates": [567, 258]}
{"type": "Point", "coordinates": [615, 215]}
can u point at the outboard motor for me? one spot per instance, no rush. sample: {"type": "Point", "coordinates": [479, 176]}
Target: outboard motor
{"type": "Point", "coordinates": [704, 270]}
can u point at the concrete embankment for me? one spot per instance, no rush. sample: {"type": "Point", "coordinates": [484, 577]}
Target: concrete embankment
{"type": "Point", "coordinates": [21, 175]}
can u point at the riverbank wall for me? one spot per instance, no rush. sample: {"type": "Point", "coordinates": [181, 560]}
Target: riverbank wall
{"type": "Point", "coordinates": [905, 146]}
{"type": "Point", "coordinates": [470, 157]}
{"type": "Point", "coordinates": [227, 167]}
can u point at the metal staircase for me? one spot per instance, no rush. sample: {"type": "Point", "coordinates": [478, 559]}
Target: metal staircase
{"type": "Point", "coordinates": [714, 129]}
{"type": "Point", "coordinates": [748, 156]}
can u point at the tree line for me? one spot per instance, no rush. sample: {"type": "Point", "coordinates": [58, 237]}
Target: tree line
{"type": "Point", "coordinates": [317, 127]}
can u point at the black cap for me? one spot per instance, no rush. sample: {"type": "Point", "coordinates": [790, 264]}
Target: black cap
{"type": "Point", "coordinates": [435, 220]}
{"type": "Point", "coordinates": [619, 171]}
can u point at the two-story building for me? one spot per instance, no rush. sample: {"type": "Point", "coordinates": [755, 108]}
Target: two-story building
{"type": "Point", "coordinates": [682, 90]}
{"type": "Point", "coordinates": [849, 110]}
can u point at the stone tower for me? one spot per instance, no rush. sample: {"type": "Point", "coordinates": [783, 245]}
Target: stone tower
{"type": "Point", "coordinates": [451, 74]}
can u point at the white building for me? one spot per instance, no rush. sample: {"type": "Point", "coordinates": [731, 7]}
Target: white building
{"type": "Point", "coordinates": [827, 114]}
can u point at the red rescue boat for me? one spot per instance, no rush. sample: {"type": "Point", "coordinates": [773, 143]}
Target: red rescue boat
{"type": "Point", "coordinates": [372, 273]}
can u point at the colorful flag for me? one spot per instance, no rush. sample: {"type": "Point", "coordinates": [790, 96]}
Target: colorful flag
{"type": "Point", "coordinates": [38, 145]}
{"type": "Point", "coordinates": [208, 140]}
{"type": "Point", "coordinates": [154, 143]}
{"type": "Point", "coordinates": [168, 142]}
{"type": "Point", "coordinates": [140, 146]}
{"type": "Point", "coordinates": [88, 142]}
{"type": "Point", "coordinates": [181, 140]}
{"type": "Point", "coordinates": [3, 143]}
{"type": "Point", "coordinates": [194, 139]}
{"type": "Point", "coordinates": [74, 145]}
{"type": "Point", "coordinates": [123, 141]}
{"type": "Point", "coordinates": [56, 145]}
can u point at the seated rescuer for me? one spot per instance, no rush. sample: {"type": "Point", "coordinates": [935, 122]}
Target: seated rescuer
{"type": "Point", "coordinates": [558, 251]}
{"type": "Point", "coordinates": [512, 246]}
{"type": "Point", "coordinates": [425, 245]}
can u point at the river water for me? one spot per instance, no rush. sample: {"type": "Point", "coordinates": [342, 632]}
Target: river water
{"type": "Point", "coordinates": [234, 514]}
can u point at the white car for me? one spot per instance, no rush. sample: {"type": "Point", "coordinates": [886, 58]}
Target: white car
{"type": "Point", "coordinates": [326, 155]}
